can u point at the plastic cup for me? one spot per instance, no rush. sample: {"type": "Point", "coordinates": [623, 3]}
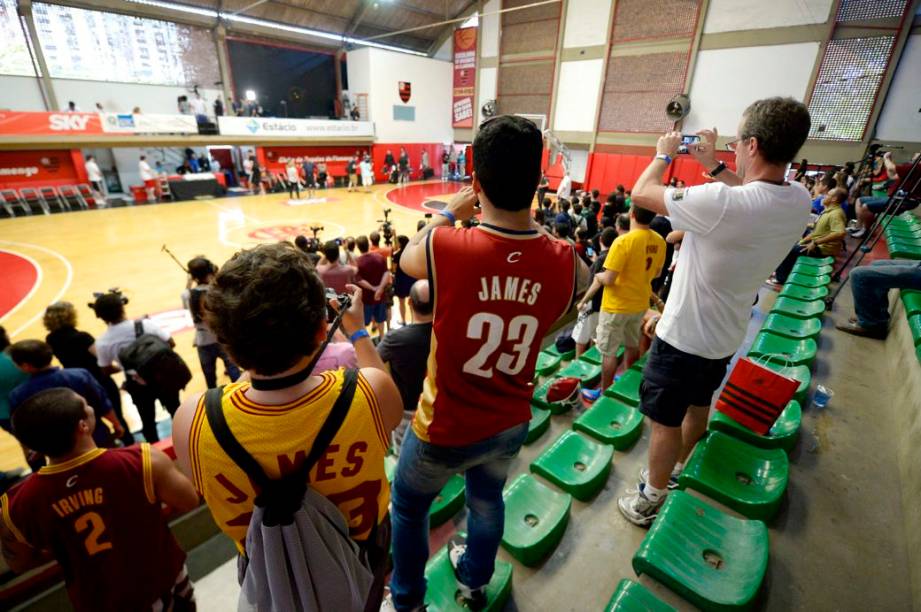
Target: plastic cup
{"type": "Point", "coordinates": [822, 396]}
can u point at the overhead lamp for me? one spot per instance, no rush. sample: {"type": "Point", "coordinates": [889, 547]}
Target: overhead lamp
{"type": "Point", "coordinates": [250, 95]}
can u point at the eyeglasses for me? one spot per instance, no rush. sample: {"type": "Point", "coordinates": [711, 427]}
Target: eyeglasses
{"type": "Point", "coordinates": [732, 145]}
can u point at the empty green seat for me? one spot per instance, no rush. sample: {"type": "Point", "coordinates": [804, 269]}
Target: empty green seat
{"type": "Point", "coordinates": [627, 389]}
{"type": "Point", "coordinates": [539, 398]}
{"type": "Point", "coordinates": [390, 467]}
{"type": "Point", "coordinates": [798, 308]}
{"type": "Point", "coordinates": [801, 267]}
{"type": "Point", "coordinates": [748, 479]}
{"type": "Point", "coordinates": [808, 280]}
{"type": "Point", "coordinates": [905, 252]}
{"type": "Point", "coordinates": [783, 433]}
{"type": "Point", "coordinates": [575, 464]}
{"type": "Point", "coordinates": [442, 593]}
{"type": "Point", "coordinates": [640, 363]}
{"type": "Point", "coordinates": [783, 350]}
{"type": "Point", "coordinates": [448, 502]}
{"type": "Point", "coordinates": [634, 597]}
{"type": "Point", "coordinates": [804, 293]}
{"type": "Point", "coordinates": [817, 261]}
{"type": "Point", "coordinates": [612, 422]}
{"type": "Point", "coordinates": [792, 327]}
{"type": "Point", "coordinates": [535, 519]}
{"type": "Point", "coordinates": [914, 324]}
{"type": "Point", "coordinates": [715, 561]}
{"type": "Point", "coordinates": [538, 425]}
{"type": "Point", "coordinates": [547, 363]}
{"type": "Point", "coordinates": [593, 355]}
{"type": "Point", "coordinates": [588, 373]}
{"type": "Point", "coordinates": [798, 373]}
{"type": "Point", "coordinates": [552, 350]}
{"type": "Point", "coordinates": [912, 301]}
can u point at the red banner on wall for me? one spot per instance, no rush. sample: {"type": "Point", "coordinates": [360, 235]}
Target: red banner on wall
{"type": "Point", "coordinates": [49, 124]}
{"type": "Point", "coordinates": [464, 76]}
{"type": "Point", "coordinates": [37, 168]}
{"type": "Point", "coordinates": [276, 158]}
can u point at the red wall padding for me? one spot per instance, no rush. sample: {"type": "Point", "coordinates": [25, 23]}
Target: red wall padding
{"type": "Point", "coordinates": [336, 158]}
{"type": "Point", "coordinates": [607, 170]}
{"type": "Point", "coordinates": [41, 168]}
{"type": "Point", "coordinates": [378, 151]}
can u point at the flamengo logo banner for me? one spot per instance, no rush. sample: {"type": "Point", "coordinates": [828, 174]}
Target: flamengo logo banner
{"type": "Point", "coordinates": [464, 77]}
{"type": "Point", "coordinates": [48, 124]}
{"type": "Point", "coordinates": [302, 128]}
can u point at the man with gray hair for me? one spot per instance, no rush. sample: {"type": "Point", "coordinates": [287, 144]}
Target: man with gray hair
{"type": "Point", "coordinates": [405, 351]}
{"type": "Point", "coordinates": [736, 231]}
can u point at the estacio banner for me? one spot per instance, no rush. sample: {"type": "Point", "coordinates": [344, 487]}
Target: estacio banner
{"type": "Point", "coordinates": [48, 124]}
{"type": "Point", "coordinates": [464, 77]}
{"type": "Point", "coordinates": [302, 128]}
{"type": "Point", "coordinates": [148, 124]}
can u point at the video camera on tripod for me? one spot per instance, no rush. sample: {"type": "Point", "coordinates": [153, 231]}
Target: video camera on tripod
{"type": "Point", "coordinates": [387, 227]}
{"type": "Point", "coordinates": [316, 229]}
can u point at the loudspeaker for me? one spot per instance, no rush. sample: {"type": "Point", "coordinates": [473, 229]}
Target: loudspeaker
{"type": "Point", "coordinates": [678, 107]}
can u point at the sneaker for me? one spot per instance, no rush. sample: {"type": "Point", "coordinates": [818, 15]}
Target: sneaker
{"type": "Point", "coordinates": [638, 509]}
{"type": "Point", "coordinates": [591, 394]}
{"type": "Point", "coordinates": [859, 233]}
{"type": "Point", "coordinates": [672, 479]}
{"type": "Point", "coordinates": [474, 598]}
{"type": "Point", "coordinates": [387, 604]}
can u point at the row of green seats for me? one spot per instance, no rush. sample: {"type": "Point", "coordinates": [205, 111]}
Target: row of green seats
{"type": "Point", "coordinates": [903, 236]}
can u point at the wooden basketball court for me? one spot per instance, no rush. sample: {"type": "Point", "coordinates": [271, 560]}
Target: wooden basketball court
{"type": "Point", "coordinates": [78, 253]}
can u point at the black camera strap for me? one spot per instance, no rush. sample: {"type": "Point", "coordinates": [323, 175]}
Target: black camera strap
{"type": "Point", "coordinates": [274, 384]}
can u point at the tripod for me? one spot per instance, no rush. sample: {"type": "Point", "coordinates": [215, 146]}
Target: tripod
{"type": "Point", "coordinates": [907, 185]}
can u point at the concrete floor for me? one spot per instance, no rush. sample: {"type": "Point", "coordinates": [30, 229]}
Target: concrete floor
{"type": "Point", "coordinates": [837, 543]}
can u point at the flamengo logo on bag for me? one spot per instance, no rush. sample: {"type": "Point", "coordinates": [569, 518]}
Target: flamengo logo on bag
{"type": "Point", "coordinates": [68, 122]}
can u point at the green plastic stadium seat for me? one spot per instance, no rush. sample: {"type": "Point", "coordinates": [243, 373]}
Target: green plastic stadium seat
{"type": "Point", "coordinates": [804, 293]}
{"type": "Point", "coordinates": [539, 398]}
{"type": "Point", "coordinates": [817, 261]}
{"type": "Point", "coordinates": [539, 424]}
{"type": "Point", "coordinates": [791, 327]}
{"type": "Point", "coordinates": [588, 373]}
{"type": "Point", "coordinates": [575, 464]}
{"type": "Point", "coordinates": [800, 373]}
{"type": "Point", "coordinates": [390, 467]}
{"type": "Point", "coordinates": [535, 519]}
{"type": "Point", "coordinates": [901, 251]}
{"type": "Point", "coordinates": [808, 269]}
{"type": "Point", "coordinates": [902, 231]}
{"type": "Point", "coordinates": [798, 308]}
{"type": "Point", "coordinates": [565, 356]}
{"type": "Point", "coordinates": [592, 355]}
{"type": "Point", "coordinates": [808, 280]}
{"type": "Point", "coordinates": [448, 502]}
{"type": "Point", "coordinates": [783, 433]}
{"type": "Point", "coordinates": [442, 594]}
{"type": "Point", "coordinates": [914, 324]}
{"type": "Point", "coordinates": [715, 561]}
{"type": "Point", "coordinates": [912, 301]}
{"type": "Point", "coordinates": [748, 479]}
{"type": "Point", "coordinates": [547, 363]}
{"type": "Point", "coordinates": [627, 389]}
{"type": "Point", "coordinates": [783, 350]}
{"type": "Point", "coordinates": [640, 363]}
{"type": "Point", "coordinates": [612, 422]}
{"type": "Point", "coordinates": [634, 597]}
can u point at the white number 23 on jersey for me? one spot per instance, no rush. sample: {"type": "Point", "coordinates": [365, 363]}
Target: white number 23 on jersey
{"type": "Point", "coordinates": [492, 330]}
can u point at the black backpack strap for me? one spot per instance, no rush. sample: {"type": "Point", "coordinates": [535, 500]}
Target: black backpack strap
{"type": "Point", "coordinates": [333, 422]}
{"type": "Point", "coordinates": [218, 423]}
{"type": "Point", "coordinates": [138, 328]}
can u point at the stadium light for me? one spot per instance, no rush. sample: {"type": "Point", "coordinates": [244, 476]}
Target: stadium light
{"type": "Point", "coordinates": [250, 95]}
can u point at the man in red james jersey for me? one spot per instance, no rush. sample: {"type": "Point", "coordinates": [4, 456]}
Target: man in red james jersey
{"type": "Point", "coordinates": [497, 289]}
{"type": "Point", "coordinates": [96, 511]}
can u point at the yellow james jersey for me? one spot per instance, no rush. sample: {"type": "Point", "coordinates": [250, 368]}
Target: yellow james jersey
{"type": "Point", "coordinates": [350, 474]}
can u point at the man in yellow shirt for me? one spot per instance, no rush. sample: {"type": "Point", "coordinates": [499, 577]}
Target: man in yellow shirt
{"type": "Point", "coordinates": [635, 259]}
{"type": "Point", "coordinates": [826, 238]}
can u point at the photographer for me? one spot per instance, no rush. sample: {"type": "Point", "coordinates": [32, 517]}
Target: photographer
{"type": "Point", "coordinates": [373, 278]}
{"type": "Point", "coordinates": [736, 230]}
{"type": "Point", "coordinates": [868, 207]}
{"type": "Point", "coordinates": [202, 271]}
{"type": "Point", "coordinates": [336, 275]}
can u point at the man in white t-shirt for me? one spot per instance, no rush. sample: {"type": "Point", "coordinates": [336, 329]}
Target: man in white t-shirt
{"type": "Point", "coordinates": [149, 178]}
{"type": "Point", "coordinates": [564, 190]}
{"type": "Point", "coordinates": [110, 307]}
{"type": "Point", "coordinates": [736, 231]}
{"type": "Point", "coordinates": [94, 174]}
{"type": "Point", "coordinates": [367, 173]}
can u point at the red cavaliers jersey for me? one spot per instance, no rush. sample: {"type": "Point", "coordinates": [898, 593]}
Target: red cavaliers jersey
{"type": "Point", "coordinates": [98, 516]}
{"type": "Point", "coordinates": [496, 293]}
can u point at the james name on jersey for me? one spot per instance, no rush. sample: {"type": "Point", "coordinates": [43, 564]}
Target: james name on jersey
{"type": "Point", "coordinates": [509, 289]}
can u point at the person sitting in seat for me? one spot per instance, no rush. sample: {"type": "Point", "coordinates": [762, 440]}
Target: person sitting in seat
{"type": "Point", "coordinates": [868, 208]}
{"type": "Point", "coordinates": [870, 286]}
{"type": "Point", "coordinates": [826, 239]}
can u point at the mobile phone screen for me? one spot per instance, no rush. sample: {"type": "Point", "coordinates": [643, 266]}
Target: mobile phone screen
{"type": "Point", "coordinates": [687, 139]}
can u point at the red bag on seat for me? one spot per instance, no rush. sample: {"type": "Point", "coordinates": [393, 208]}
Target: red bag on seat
{"type": "Point", "coordinates": [754, 396]}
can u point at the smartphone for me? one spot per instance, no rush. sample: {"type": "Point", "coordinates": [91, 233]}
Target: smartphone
{"type": "Point", "coordinates": [428, 215]}
{"type": "Point", "coordinates": [687, 139]}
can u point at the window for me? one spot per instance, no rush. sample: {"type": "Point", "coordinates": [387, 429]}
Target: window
{"type": "Point", "coordinates": [863, 10]}
{"type": "Point", "coordinates": [14, 52]}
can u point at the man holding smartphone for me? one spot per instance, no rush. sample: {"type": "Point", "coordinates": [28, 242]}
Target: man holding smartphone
{"type": "Point", "coordinates": [736, 230]}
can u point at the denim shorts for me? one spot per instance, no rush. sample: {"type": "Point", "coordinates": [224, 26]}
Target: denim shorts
{"type": "Point", "coordinates": [375, 312]}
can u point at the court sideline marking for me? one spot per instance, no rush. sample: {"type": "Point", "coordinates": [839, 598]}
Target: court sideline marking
{"type": "Point", "coordinates": [67, 281]}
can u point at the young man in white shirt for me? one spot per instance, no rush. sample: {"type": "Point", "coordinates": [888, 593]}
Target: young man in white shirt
{"type": "Point", "coordinates": [565, 188]}
{"type": "Point", "coordinates": [149, 178]}
{"type": "Point", "coordinates": [94, 174]}
{"type": "Point", "coordinates": [736, 230]}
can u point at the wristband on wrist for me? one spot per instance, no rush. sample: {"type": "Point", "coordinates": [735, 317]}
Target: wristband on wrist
{"type": "Point", "coordinates": [361, 333]}
{"type": "Point", "coordinates": [447, 214]}
{"type": "Point", "coordinates": [664, 157]}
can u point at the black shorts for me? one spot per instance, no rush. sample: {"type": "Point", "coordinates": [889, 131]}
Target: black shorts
{"type": "Point", "coordinates": [674, 380]}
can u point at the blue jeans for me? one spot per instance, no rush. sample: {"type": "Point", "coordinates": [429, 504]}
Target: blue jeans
{"type": "Point", "coordinates": [422, 472]}
{"type": "Point", "coordinates": [208, 355]}
{"type": "Point", "coordinates": [871, 284]}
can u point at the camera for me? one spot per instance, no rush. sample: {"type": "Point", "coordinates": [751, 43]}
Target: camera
{"type": "Point", "coordinates": [687, 139]}
{"type": "Point", "coordinates": [316, 229]}
{"type": "Point", "coordinates": [386, 227]}
{"type": "Point", "coordinates": [345, 302]}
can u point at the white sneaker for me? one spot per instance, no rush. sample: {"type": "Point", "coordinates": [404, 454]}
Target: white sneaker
{"type": "Point", "coordinates": [387, 605]}
{"type": "Point", "coordinates": [474, 598]}
{"type": "Point", "coordinates": [638, 509]}
{"type": "Point", "coordinates": [672, 479]}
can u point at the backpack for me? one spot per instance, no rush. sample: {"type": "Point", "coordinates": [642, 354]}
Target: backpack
{"type": "Point", "coordinates": [155, 362]}
{"type": "Point", "coordinates": [299, 555]}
